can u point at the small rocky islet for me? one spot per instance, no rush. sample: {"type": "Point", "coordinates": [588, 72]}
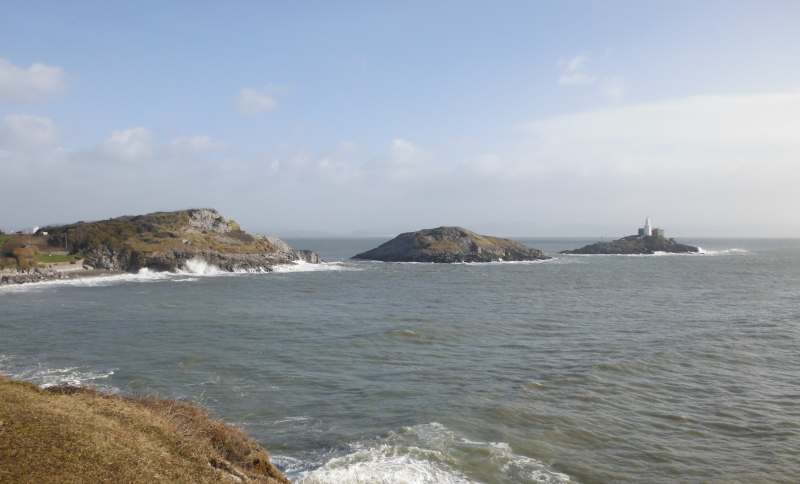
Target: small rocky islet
{"type": "Point", "coordinates": [647, 242]}
{"type": "Point", "coordinates": [450, 245]}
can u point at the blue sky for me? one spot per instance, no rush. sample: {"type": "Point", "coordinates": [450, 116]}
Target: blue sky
{"type": "Point", "coordinates": [375, 117]}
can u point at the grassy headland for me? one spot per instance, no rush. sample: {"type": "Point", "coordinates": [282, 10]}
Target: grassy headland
{"type": "Point", "coordinates": [76, 435]}
{"type": "Point", "coordinates": [152, 233]}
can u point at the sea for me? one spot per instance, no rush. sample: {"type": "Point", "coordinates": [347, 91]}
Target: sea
{"type": "Point", "coordinates": [578, 369]}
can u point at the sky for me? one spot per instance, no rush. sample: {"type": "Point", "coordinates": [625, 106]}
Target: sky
{"type": "Point", "coordinates": [525, 118]}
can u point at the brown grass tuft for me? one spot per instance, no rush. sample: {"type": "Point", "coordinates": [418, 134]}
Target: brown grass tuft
{"type": "Point", "coordinates": [68, 434]}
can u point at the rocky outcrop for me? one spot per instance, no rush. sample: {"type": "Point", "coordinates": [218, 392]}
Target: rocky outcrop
{"type": "Point", "coordinates": [31, 275]}
{"type": "Point", "coordinates": [178, 260]}
{"type": "Point", "coordinates": [169, 240]}
{"type": "Point", "coordinates": [209, 220]}
{"type": "Point", "coordinates": [635, 245]}
{"type": "Point", "coordinates": [449, 245]}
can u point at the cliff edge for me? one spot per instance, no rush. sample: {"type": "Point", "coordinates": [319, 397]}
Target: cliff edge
{"type": "Point", "coordinates": [448, 245]}
{"type": "Point", "coordinates": [72, 435]}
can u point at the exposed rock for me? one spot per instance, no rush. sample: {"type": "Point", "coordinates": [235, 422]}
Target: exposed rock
{"type": "Point", "coordinates": [169, 240]}
{"type": "Point", "coordinates": [177, 260]}
{"type": "Point", "coordinates": [209, 220]}
{"type": "Point", "coordinates": [448, 245]}
{"type": "Point", "coordinates": [635, 244]}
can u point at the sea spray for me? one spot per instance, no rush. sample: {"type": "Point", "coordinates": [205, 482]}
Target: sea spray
{"type": "Point", "coordinates": [422, 454]}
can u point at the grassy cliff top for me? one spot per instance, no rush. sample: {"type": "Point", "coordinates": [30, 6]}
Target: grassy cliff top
{"type": "Point", "coordinates": [76, 435]}
{"type": "Point", "coordinates": [200, 229]}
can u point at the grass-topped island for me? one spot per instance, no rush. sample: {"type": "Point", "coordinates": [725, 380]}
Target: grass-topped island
{"type": "Point", "coordinates": [449, 245]}
{"type": "Point", "coordinates": [162, 241]}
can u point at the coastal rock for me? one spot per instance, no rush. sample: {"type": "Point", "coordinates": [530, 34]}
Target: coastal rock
{"type": "Point", "coordinates": [169, 240]}
{"type": "Point", "coordinates": [448, 245]}
{"type": "Point", "coordinates": [179, 260]}
{"type": "Point", "coordinates": [635, 244]}
{"type": "Point", "coordinates": [209, 220]}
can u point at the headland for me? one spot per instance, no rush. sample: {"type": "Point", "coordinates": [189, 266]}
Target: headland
{"type": "Point", "coordinates": [161, 241]}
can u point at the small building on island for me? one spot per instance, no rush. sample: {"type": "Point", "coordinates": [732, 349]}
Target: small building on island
{"type": "Point", "coordinates": [648, 231]}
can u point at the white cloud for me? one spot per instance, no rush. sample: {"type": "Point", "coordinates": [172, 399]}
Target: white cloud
{"type": "Point", "coordinates": [404, 153]}
{"type": "Point", "coordinates": [573, 71]}
{"type": "Point", "coordinates": [28, 133]}
{"type": "Point", "coordinates": [729, 159]}
{"type": "Point", "coordinates": [721, 123]}
{"type": "Point", "coordinates": [192, 145]}
{"type": "Point", "coordinates": [30, 85]}
{"type": "Point", "coordinates": [615, 88]}
{"type": "Point", "coordinates": [128, 145]}
{"type": "Point", "coordinates": [253, 101]}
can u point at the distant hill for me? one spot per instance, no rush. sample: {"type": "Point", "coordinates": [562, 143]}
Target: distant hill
{"type": "Point", "coordinates": [450, 244]}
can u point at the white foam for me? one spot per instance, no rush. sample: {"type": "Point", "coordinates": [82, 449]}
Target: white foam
{"type": "Point", "coordinates": [196, 267]}
{"type": "Point", "coordinates": [200, 266]}
{"type": "Point", "coordinates": [383, 464]}
{"type": "Point", "coordinates": [551, 260]}
{"type": "Point", "coordinates": [423, 454]}
{"type": "Point", "coordinates": [723, 252]}
{"type": "Point", "coordinates": [75, 375]}
{"type": "Point", "coordinates": [303, 266]}
{"type": "Point", "coordinates": [143, 275]}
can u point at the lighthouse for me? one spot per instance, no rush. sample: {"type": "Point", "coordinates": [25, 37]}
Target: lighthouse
{"type": "Point", "coordinates": [647, 229]}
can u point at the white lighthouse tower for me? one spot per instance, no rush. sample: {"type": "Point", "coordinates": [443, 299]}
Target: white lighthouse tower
{"type": "Point", "coordinates": [648, 230]}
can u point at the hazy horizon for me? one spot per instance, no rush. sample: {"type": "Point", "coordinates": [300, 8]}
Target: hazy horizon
{"type": "Point", "coordinates": [541, 118]}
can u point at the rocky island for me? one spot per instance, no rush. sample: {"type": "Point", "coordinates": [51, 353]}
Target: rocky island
{"type": "Point", "coordinates": [448, 245]}
{"type": "Point", "coordinates": [648, 241]}
{"type": "Point", "coordinates": [162, 241]}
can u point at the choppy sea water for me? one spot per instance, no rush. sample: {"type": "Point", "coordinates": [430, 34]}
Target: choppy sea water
{"type": "Point", "coordinates": [586, 369]}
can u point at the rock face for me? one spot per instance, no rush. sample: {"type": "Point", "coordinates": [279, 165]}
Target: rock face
{"type": "Point", "coordinates": [635, 244]}
{"type": "Point", "coordinates": [170, 240]}
{"type": "Point", "coordinates": [448, 245]}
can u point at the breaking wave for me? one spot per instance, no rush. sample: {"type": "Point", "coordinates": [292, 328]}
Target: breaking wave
{"type": "Point", "coordinates": [423, 454]}
{"type": "Point", "coordinates": [723, 252]}
{"type": "Point", "coordinates": [47, 377]}
{"type": "Point", "coordinates": [195, 269]}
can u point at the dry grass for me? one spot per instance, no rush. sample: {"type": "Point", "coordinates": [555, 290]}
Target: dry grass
{"type": "Point", "coordinates": [76, 435]}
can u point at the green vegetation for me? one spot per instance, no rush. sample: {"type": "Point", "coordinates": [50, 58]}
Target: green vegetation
{"type": "Point", "coordinates": [151, 233]}
{"type": "Point", "coordinates": [50, 259]}
{"type": "Point", "coordinates": [4, 239]}
{"type": "Point", "coordinates": [74, 435]}
{"type": "Point", "coordinates": [443, 240]}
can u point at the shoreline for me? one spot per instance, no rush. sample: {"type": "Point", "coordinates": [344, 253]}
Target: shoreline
{"type": "Point", "coordinates": [47, 275]}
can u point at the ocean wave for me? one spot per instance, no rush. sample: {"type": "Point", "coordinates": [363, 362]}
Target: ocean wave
{"type": "Point", "coordinates": [422, 454]}
{"type": "Point", "coordinates": [143, 275]}
{"type": "Point", "coordinates": [195, 269]}
{"type": "Point", "coordinates": [73, 375]}
{"type": "Point", "coordinates": [723, 251]}
{"type": "Point", "coordinates": [302, 266]}
{"type": "Point", "coordinates": [701, 252]}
